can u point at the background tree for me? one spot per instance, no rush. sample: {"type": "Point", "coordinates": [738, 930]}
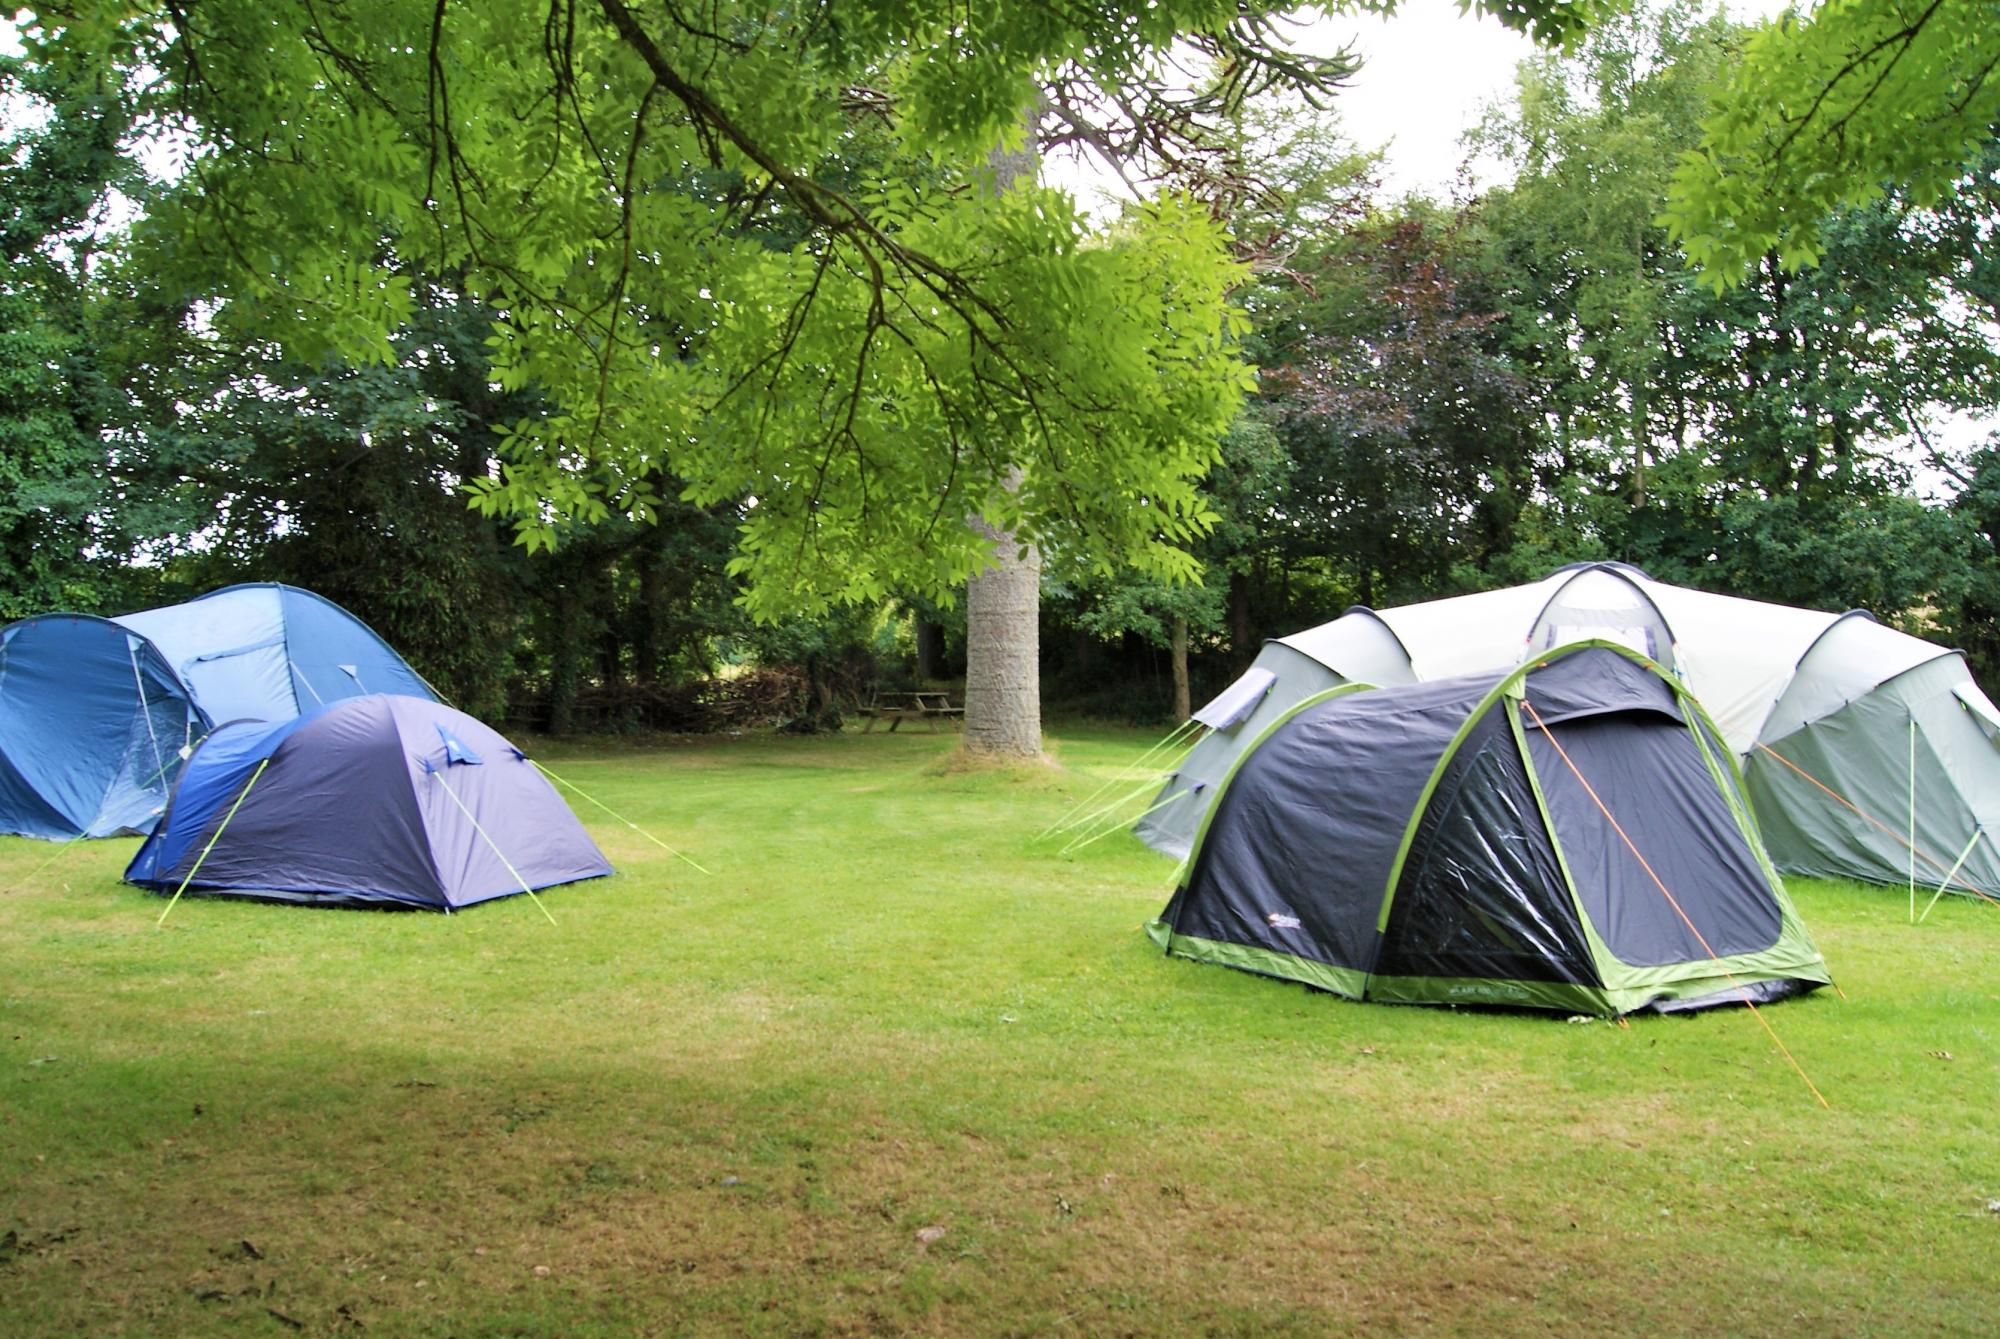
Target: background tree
{"type": "Point", "coordinates": [60, 157]}
{"type": "Point", "coordinates": [916, 352]}
{"type": "Point", "coordinates": [1775, 424]}
{"type": "Point", "coordinates": [1836, 110]}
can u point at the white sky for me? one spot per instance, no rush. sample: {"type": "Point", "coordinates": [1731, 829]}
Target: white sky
{"type": "Point", "coordinates": [1428, 74]}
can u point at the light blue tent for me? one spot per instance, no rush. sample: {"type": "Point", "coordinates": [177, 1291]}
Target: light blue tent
{"type": "Point", "coordinates": [97, 715]}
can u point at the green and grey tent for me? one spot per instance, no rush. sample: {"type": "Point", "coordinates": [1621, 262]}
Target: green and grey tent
{"type": "Point", "coordinates": [1870, 754]}
{"type": "Point", "coordinates": [1568, 835]}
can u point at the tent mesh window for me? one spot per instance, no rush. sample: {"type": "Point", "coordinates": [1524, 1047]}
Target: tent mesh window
{"type": "Point", "coordinates": [1481, 893]}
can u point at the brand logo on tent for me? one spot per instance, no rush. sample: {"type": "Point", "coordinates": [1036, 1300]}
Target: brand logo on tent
{"type": "Point", "coordinates": [1280, 921]}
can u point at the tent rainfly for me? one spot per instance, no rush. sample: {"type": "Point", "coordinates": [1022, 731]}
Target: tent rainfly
{"type": "Point", "coordinates": [1567, 835]}
{"type": "Point", "coordinates": [1869, 754]}
{"type": "Point", "coordinates": [96, 714]}
{"type": "Point", "coordinates": [372, 801]}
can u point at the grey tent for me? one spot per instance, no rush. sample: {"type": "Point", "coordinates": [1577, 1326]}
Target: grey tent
{"type": "Point", "coordinates": [1569, 835]}
{"type": "Point", "coordinates": [1870, 754]}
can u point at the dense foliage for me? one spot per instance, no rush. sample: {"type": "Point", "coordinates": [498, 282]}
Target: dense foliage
{"type": "Point", "coordinates": [1863, 98]}
{"type": "Point", "coordinates": [1448, 396]}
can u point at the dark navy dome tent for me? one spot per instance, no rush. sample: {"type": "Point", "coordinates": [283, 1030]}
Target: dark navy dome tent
{"type": "Point", "coordinates": [1569, 835]}
{"type": "Point", "coordinates": [96, 715]}
{"type": "Point", "coordinates": [375, 801]}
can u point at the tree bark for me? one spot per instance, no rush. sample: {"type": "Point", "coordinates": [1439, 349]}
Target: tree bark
{"type": "Point", "coordinates": [1003, 688]}
{"type": "Point", "coordinates": [930, 650]}
{"type": "Point", "coordinates": [646, 617]}
{"type": "Point", "coordinates": [564, 673]}
{"type": "Point", "coordinates": [1239, 617]}
{"type": "Point", "coordinates": [1183, 707]}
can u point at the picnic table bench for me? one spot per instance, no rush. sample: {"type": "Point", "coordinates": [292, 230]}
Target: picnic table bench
{"type": "Point", "coordinates": [896, 708]}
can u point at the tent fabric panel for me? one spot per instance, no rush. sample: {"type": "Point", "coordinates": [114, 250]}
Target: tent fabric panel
{"type": "Point", "coordinates": [1466, 634]}
{"type": "Point", "coordinates": [1493, 992]}
{"type": "Point", "coordinates": [26, 812]}
{"type": "Point", "coordinates": [1482, 894]}
{"type": "Point", "coordinates": [1298, 853]}
{"type": "Point", "coordinates": [333, 655]}
{"type": "Point", "coordinates": [221, 765]}
{"type": "Point", "coordinates": [1862, 754]}
{"type": "Point", "coordinates": [1651, 777]}
{"type": "Point", "coordinates": [1848, 660]}
{"type": "Point", "coordinates": [1981, 706]}
{"type": "Point", "coordinates": [525, 823]}
{"type": "Point", "coordinates": [1793, 958]}
{"type": "Point", "coordinates": [1722, 992]}
{"type": "Point", "coordinates": [1597, 681]}
{"type": "Point", "coordinates": [384, 899]}
{"type": "Point", "coordinates": [1178, 807]}
{"type": "Point", "coordinates": [1603, 602]}
{"type": "Point", "coordinates": [155, 737]}
{"type": "Point", "coordinates": [1737, 656]}
{"type": "Point", "coordinates": [228, 647]}
{"type": "Point", "coordinates": [1683, 994]}
{"type": "Point", "coordinates": [269, 652]}
{"type": "Point", "coordinates": [91, 723]}
{"type": "Point", "coordinates": [66, 701]}
{"type": "Point", "coordinates": [333, 813]}
{"type": "Point", "coordinates": [1358, 645]}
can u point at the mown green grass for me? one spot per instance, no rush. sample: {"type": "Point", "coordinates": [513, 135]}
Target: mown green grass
{"type": "Point", "coordinates": [733, 1103]}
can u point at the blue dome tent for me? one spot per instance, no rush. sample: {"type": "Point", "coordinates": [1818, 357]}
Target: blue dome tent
{"type": "Point", "coordinates": [373, 801]}
{"type": "Point", "coordinates": [92, 723]}
{"type": "Point", "coordinates": [96, 714]}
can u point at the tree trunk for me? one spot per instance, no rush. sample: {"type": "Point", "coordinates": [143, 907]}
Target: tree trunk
{"type": "Point", "coordinates": [930, 650]}
{"type": "Point", "coordinates": [1239, 617]}
{"type": "Point", "coordinates": [822, 709]}
{"type": "Point", "coordinates": [1003, 689]}
{"type": "Point", "coordinates": [564, 672]}
{"type": "Point", "coordinates": [646, 618]}
{"type": "Point", "coordinates": [1183, 708]}
{"type": "Point", "coordinates": [1641, 426]}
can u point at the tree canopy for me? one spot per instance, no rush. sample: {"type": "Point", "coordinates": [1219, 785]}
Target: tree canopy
{"type": "Point", "coordinates": [1863, 97]}
{"type": "Point", "coordinates": [741, 242]}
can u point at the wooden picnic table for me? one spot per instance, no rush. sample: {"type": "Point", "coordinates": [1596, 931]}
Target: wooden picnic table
{"type": "Point", "coordinates": [896, 708]}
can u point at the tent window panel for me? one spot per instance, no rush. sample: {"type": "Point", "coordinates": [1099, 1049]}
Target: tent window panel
{"type": "Point", "coordinates": [1651, 777]}
{"type": "Point", "coordinates": [1981, 708]}
{"type": "Point", "coordinates": [1482, 894]}
{"type": "Point", "coordinates": [1229, 707]}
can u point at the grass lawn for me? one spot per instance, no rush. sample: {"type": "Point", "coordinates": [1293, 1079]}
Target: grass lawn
{"type": "Point", "coordinates": [896, 1067]}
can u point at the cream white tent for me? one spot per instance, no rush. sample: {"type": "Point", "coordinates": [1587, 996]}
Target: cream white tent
{"type": "Point", "coordinates": [1869, 754]}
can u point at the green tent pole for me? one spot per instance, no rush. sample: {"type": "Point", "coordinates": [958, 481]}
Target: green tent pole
{"type": "Point", "coordinates": [1078, 845]}
{"type": "Point", "coordinates": [1106, 820]}
{"type": "Point", "coordinates": [621, 818]}
{"type": "Point", "coordinates": [1108, 811]}
{"type": "Point", "coordinates": [1070, 819]}
{"type": "Point", "coordinates": [1978, 831]}
{"type": "Point", "coordinates": [60, 852]}
{"type": "Point", "coordinates": [439, 778]}
{"type": "Point", "coordinates": [241, 796]}
{"type": "Point", "coordinates": [1913, 819]}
